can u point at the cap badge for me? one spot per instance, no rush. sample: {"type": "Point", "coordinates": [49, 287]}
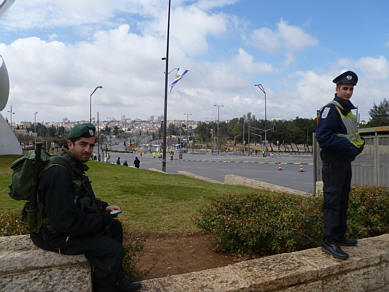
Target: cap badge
{"type": "Point", "coordinates": [91, 132]}
{"type": "Point", "coordinates": [349, 77]}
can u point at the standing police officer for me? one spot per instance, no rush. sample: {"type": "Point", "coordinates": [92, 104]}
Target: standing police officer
{"type": "Point", "coordinates": [74, 221]}
{"type": "Point", "coordinates": [340, 143]}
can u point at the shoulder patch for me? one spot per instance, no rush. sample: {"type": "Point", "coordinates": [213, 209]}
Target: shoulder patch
{"type": "Point", "coordinates": [325, 112]}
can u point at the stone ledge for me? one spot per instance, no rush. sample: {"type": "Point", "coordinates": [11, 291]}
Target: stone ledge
{"type": "Point", "coordinates": [367, 269]}
{"type": "Point", "coordinates": [25, 267]}
{"type": "Point", "coordinates": [157, 170]}
{"type": "Point", "coordinates": [243, 181]}
{"type": "Point", "coordinates": [199, 177]}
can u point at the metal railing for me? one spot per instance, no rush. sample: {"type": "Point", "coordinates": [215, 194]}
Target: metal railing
{"type": "Point", "coordinates": [371, 167]}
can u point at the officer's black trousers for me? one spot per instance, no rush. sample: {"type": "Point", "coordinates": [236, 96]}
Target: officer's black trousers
{"type": "Point", "coordinates": [336, 187]}
{"type": "Point", "coordinates": [104, 252]}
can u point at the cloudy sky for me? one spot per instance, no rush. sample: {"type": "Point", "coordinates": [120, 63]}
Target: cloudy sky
{"type": "Point", "coordinates": [58, 51]}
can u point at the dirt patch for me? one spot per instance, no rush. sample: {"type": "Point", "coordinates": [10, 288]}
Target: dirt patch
{"type": "Point", "coordinates": [167, 254]}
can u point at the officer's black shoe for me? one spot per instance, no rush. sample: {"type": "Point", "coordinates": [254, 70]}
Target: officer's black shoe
{"type": "Point", "coordinates": [333, 249]}
{"type": "Point", "coordinates": [125, 286]}
{"type": "Point", "coordinates": [347, 242]}
{"type": "Point", "coordinates": [104, 288]}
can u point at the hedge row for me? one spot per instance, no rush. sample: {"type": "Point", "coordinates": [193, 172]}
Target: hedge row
{"type": "Point", "coordinates": [276, 223]}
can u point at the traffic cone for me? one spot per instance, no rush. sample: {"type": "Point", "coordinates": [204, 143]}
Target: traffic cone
{"type": "Point", "coordinates": [279, 166]}
{"type": "Point", "coordinates": [301, 167]}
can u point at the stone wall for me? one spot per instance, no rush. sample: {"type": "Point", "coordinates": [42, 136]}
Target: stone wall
{"type": "Point", "coordinates": [309, 270]}
{"type": "Point", "coordinates": [24, 267]}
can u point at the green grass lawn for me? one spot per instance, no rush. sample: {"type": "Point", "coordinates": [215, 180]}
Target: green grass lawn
{"type": "Point", "coordinates": [150, 201]}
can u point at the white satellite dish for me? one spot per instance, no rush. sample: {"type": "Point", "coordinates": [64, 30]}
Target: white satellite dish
{"type": "Point", "coordinates": [4, 79]}
{"type": "Point", "coordinates": [4, 5]}
{"type": "Point", "coordinates": [4, 84]}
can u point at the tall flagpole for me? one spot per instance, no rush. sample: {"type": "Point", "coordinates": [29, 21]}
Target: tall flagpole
{"type": "Point", "coordinates": [166, 81]}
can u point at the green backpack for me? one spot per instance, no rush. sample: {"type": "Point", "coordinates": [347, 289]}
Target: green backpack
{"type": "Point", "coordinates": [24, 172]}
{"type": "Point", "coordinates": [24, 186]}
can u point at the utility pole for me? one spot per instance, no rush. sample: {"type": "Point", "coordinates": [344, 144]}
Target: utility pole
{"type": "Point", "coordinates": [166, 81]}
{"type": "Point", "coordinates": [187, 128]}
{"type": "Point", "coordinates": [217, 137]}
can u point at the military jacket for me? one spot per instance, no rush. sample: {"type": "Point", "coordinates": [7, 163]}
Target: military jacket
{"type": "Point", "coordinates": [70, 207]}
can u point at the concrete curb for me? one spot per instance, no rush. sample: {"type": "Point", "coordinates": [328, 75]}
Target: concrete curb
{"type": "Point", "coordinates": [243, 181]}
{"type": "Point", "coordinates": [157, 170]}
{"type": "Point", "coordinates": [192, 175]}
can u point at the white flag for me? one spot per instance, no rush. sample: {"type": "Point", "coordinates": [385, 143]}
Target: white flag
{"type": "Point", "coordinates": [179, 74]}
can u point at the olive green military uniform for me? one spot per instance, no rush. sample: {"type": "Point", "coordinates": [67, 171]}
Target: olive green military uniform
{"type": "Point", "coordinates": [76, 222]}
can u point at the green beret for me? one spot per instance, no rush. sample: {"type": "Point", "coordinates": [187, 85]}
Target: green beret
{"type": "Point", "coordinates": [82, 130]}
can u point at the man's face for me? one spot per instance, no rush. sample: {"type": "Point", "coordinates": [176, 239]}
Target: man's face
{"type": "Point", "coordinates": [82, 148]}
{"type": "Point", "coordinates": [345, 91]}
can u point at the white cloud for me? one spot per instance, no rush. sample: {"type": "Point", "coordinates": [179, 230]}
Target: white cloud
{"type": "Point", "coordinates": [286, 38]}
{"type": "Point", "coordinates": [26, 14]}
{"type": "Point", "coordinates": [294, 37]}
{"type": "Point", "coordinates": [245, 62]}
{"type": "Point", "coordinates": [190, 28]}
{"type": "Point", "coordinates": [372, 68]}
{"type": "Point", "coordinates": [309, 90]}
{"type": "Point", "coordinates": [266, 39]}
{"type": "Point", "coordinates": [55, 78]}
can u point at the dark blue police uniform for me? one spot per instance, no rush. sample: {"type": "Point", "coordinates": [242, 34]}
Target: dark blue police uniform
{"type": "Point", "coordinates": [338, 149]}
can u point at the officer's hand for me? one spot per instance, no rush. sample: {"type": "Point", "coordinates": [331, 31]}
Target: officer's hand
{"type": "Point", "coordinates": [112, 208]}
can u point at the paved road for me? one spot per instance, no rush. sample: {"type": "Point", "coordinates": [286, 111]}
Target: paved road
{"type": "Point", "coordinates": [217, 166]}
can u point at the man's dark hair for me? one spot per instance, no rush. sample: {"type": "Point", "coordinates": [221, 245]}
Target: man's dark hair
{"type": "Point", "coordinates": [73, 140]}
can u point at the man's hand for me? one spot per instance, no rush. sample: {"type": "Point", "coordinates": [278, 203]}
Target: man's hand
{"type": "Point", "coordinates": [112, 208]}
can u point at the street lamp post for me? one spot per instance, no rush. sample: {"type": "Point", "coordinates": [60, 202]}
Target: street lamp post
{"type": "Point", "coordinates": [35, 121]}
{"type": "Point", "coordinates": [260, 86]}
{"type": "Point", "coordinates": [165, 103]}
{"type": "Point", "coordinates": [187, 130]}
{"type": "Point", "coordinates": [11, 113]}
{"type": "Point", "coordinates": [243, 140]}
{"type": "Point", "coordinates": [90, 103]}
{"type": "Point", "coordinates": [217, 137]}
{"type": "Point", "coordinates": [98, 137]}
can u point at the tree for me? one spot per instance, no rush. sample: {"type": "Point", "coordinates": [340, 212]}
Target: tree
{"type": "Point", "coordinates": [379, 114]}
{"type": "Point", "coordinates": [172, 130]}
{"type": "Point", "coordinates": [203, 131]}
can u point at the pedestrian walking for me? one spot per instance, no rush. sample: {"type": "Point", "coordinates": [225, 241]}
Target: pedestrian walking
{"type": "Point", "coordinates": [137, 162]}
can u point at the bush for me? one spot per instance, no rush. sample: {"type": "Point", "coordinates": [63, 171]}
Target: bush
{"type": "Point", "coordinates": [133, 243]}
{"type": "Point", "coordinates": [368, 213]}
{"type": "Point", "coordinates": [276, 223]}
{"type": "Point", "coordinates": [11, 224]}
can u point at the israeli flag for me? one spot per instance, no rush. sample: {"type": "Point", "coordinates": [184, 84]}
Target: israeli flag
{"type": "Point", "coordinates": [179, 74]}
